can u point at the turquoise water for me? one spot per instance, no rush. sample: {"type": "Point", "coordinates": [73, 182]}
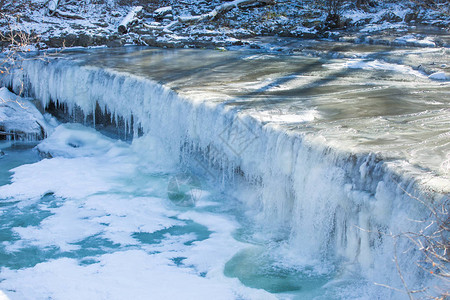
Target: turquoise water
{"type": "Point", "coordinates": [139, 207]}
{"type": "Point", "coordinates": [255, 267]}
{"type": "Point", "coordinates": [16, 154]}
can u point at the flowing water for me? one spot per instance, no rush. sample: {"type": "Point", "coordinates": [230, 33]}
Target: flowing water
{"type": "Point", "coordinates": [250, 175]}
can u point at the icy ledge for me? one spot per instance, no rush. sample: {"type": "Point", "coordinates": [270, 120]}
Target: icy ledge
{"type": "Point", "coordinates": [327, 203]}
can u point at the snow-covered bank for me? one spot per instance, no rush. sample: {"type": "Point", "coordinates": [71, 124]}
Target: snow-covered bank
{"type": "Point", "coordinates": [163, 23]}
{"type": "Point", "coordinates": [327, 203]}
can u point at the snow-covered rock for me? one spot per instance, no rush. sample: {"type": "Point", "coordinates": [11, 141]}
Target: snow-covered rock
{"type": "Point", "coordinates": [411, 40]}
{"type": "Point", "coordinates": [20, 119]}
{"type": "Point", "coordinates": [163, 12]}
{"type": "Point", "coordinates": [439, 76]}
{"type": "Point", "coordinates": [75, 140]}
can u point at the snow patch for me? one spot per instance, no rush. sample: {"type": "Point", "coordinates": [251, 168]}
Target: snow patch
{"type": "Point", "coordinates": [439, 76]}
{"type": "Point", "coordinates": [411, 40]}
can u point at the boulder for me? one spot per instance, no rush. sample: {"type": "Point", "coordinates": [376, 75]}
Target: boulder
{"type": "Point", "coordinates": [70, 40]}
{"type": "Point", "coordinates": [390, 17]}
{"type": "Point", "coordinates": [113, 43]}
{"type": "Point", "coordinates": [56, 42]}
{"type": "Point", "coordinates": [20, 119]}
{"type": "Point", "coordinates": [163, 13]}
{"type": "Point", "coordinates": [85, 40]}
{"type": "Point", "coordinates": [411, 17]}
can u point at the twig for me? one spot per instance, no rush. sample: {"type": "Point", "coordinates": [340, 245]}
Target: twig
{"type": "Point", "coordinates": [399, 271]}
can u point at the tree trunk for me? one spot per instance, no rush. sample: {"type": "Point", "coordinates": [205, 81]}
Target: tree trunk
{"type": "Point", "coordinates": [52, 6]}
{"type": "Point", "coordinates": [131, 17]}
{"type": "Point", "coordinates": [222, 9]}
{"type": "Point", "coordinates": [67, 15]}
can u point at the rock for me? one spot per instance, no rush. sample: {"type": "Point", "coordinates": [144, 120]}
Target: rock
{"type": "Point", "coordinates": [99, 40]}
{"type": "Point", "coordinates": [237, 43]}
{"type": "Point", "coordinates": [55, 42]}
{"type": "Point", "coordinates": [26, 18]}
{"type": "Point", "coordinates": [362, 22]}
{"type": "Point", "coordinates": [439, 76]}
{"type": "Point", "coordinates": [70, 39]}
{"type": "Point", "coordinates": [307, 35]}
{"type": "Point", "coordinates": [85, 40]}
{"type": "Point", "coordinates": [332, 21]}
{"type": "Point", "coordinates": [115, 43]}
{"type": "Point", "coordinates": [411, 17]}
{"type": "Point", "coordinates": [20, 119]}
{"type": "Point", "coordinates": [169, 44]}
{"type": "Point", "coordinates": [163, 12]}
{"type": "Point", "coordinates": [3, 44]}
{"type": "Point", "coordinates": [390, 17]}
{"type": "Point", "coordinates": [142, 30]}
{"type": "Point", "coordinates": [148, 39]}
{"type": "Point", "coordinates": [347, 23]}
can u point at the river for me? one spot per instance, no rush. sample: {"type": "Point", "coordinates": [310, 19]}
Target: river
{"type": "Point", "coordinates": [241, 174]}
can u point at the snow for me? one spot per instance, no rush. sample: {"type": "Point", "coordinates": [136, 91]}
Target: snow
{"type": "Point", "coordinates": [74, 140]}
{"type": "Point", "coordinates": [19, 117]}
{"type": "Point", "coordinates": [130, 17]}
{"type": "Point", "coordinates": [33, 17]}
{"type": "Point", "coordinates": [385, 26]}
{"type": "Point", "coordinates": [163, 10]}
{"type": "Point", "coordinates": [142, 276]}
{"type": "Point", "coordinates": [412, 40]}
{"type": "Point", "coordinates": [112, 194]}
{"type": "Point", "coordinates": [3, 296]}
{"type": "Point", "coordinates": [439, 76]}
{"type": "Point", "coordinates": [294, 18]}
{"type": "Point", "coordinates": [52, 5]}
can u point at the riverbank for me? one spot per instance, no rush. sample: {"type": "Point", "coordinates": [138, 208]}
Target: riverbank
{"type": "Point", "coordinates": [174, 25]}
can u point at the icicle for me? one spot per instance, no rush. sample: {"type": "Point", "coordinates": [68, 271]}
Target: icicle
{"type": "Point", "coordinates": [93, 113]}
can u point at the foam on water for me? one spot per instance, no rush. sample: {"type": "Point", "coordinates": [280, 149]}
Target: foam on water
{"type": "Point", "coordinates": [377, 65]}
{"type": "Point", "coordinates": [325, 195]}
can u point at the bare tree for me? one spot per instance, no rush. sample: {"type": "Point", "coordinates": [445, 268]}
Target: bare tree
{"type": "Point", "coordinates": [16, 43]}
{"type": "Point", "coordinates": [433, 241]}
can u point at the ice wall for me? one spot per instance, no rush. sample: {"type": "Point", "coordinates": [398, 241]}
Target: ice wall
{"type": "Point", "coordinates": [327, 204]}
